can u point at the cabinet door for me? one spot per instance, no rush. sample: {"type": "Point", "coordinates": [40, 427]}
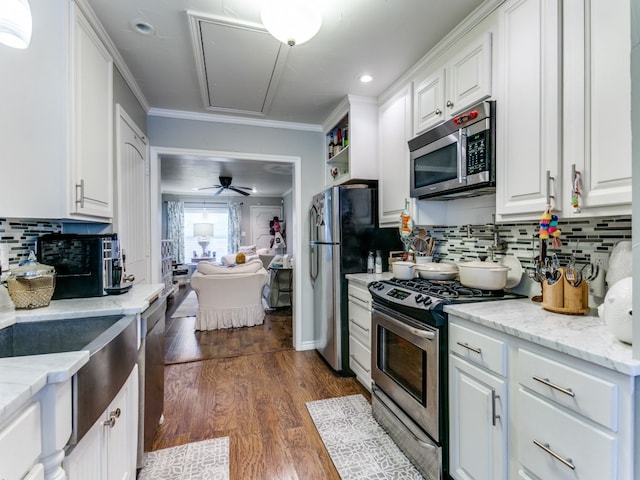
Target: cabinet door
{"type": "Point", "coordinates": [132, 222]}
{"type": "Point", "coordinates": [429, 98]}
{"type": "Point", "coordinates": [469, 76]}
{"type": "Point", "coordinates": [597, 116]}
{"type": "Point", "coordinates": [478, 420]}
{"type": "Point", "coordinates": [92, 172]}
{"type": "Point", "coordinates": [86, 460]}
{"type": "Point", "coordinates": [528, 111]}
{"type": "Point", "coordinates": [121, 439]}
{"type": "Point", "coordinates": [394, 123]}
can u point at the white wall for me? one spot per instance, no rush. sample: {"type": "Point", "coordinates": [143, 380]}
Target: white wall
{"type": "Point", "coordinates": [635, 133]}
{"type": "Point", "coordinates": [307, 145]}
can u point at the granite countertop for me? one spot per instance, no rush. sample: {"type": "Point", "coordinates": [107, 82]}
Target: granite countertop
{"type": "Point", "coordinates": [365, 279]}
{"type": "Point", "coordinates": [23, 377]}
{"type": "Point", "coordinates": [581, 336]}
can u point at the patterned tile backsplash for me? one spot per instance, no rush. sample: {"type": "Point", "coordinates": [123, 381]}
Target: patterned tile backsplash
{"type": "Point", "coordinates": [18, 236]}
{"type": "Point", "coordinates": [453, 242]}
{"type": "Point", "coordinates": [590, 235]}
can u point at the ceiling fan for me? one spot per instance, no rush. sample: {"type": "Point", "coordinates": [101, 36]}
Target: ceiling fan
{"type": "Point", "coordinates": [225, 184]}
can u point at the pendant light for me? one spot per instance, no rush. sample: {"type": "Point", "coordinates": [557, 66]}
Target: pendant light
{"type": "Point", "coordinates": [291, 21]}
{"type": "Point", "coordinates": [15, 23]}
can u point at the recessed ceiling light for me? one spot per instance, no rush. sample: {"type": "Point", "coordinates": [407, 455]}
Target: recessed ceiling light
{"type": "Point", "coordinates": [366, 78]}
{"type": "Point", "coordinates": [142, 27]}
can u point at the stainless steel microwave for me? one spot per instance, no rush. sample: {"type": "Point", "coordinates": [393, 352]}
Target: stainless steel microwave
{"type": "Point", "coordinates": [457, 158]}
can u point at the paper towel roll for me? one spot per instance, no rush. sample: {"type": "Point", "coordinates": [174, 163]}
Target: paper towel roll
{"type": "Point", "coordinates": [4, 258]}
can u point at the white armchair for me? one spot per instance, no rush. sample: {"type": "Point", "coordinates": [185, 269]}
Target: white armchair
{"type": "Point", "coordinates": [229, 297]}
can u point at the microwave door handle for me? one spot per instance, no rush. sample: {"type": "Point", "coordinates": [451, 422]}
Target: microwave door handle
{"type": "Point", "coordinates": [462, 149]}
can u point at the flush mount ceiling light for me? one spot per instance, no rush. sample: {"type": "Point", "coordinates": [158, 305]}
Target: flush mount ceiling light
{"type": "Point", "coordinates": [291, 21]}
{"type": "Point", "coordinates": [143, 27]}
{"type": "Point", "coordinates": [366, 78]}
{"type": "Point", "coordinates": [15, 23]}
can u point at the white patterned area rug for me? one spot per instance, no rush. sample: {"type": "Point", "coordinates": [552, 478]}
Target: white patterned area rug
{"type": "Point", "coordinates": [207, 460]}
{"type": "Point", "coordinates": [188, 307]}
{"type": "Point", "coordinates": [357, 444]}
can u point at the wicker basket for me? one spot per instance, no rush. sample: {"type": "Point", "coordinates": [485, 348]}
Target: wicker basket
{"type": "Point", "coordinates": [31, 292]}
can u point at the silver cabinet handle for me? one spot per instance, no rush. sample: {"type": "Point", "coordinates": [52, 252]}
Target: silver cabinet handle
{"type": "Point", "coordinates": [81, 187]}
{"type": "Point", "coordinates": [565, 461]}
{"type": "Point", "coordinates": [449, 103]}
{"type": "Point", "coordinates": [112, 418]}
{"type": "Point", "coordinates": [364, 329]}
{"type": "Point", "coordinates": [361, 366]}
{"type": "Point", "coordinates": [545, 381]}
{"type": "Point", "coordinates": [494, 397]}
{"type": "Point", "coordinates": [469, 347]}
{"type": "Point", "coordinates": [438, 111]}
{"type": "Point", "coordinates": [361, 303]}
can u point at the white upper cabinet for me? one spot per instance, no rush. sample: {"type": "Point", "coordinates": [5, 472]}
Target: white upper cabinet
{"type": "Point", "coordinates": [394, 126]}
{"type": "Point", "coordinates": [56, 120]}
{"type": "Point", "coordinates": [528, 109]}
{"type": "Point", "coordinates": [564, 106]}
{"type": "Point", "coordinates": [91, 175]}
{"type": "Point", "coordinates": [463, 80]}
{"type": "Point", "coordinates": [353, 126]}
{"type": "Point", "coordinates": [597, 106]}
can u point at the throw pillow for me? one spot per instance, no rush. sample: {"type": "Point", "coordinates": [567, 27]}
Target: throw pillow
{"type": "Point", "coordinates": [247, 249]}
{"type": "Point", "coordinates": [241, 258]}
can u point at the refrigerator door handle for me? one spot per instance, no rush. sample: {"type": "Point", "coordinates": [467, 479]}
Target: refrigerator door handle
{"type": "Point", "coordinates": [313, 249]}
{"type": "Point", "coordinates": [313, 262]}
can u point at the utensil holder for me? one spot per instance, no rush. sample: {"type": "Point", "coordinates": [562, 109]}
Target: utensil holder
{"type": "Point", "coordinates": [553, 295]}
{"type": "Point", "coordinates": [576, 298]}
{"type": "Point", "coordinates": [562, 297]}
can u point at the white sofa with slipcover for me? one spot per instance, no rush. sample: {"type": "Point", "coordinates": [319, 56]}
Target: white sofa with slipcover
{"type": "Point", "coordinates": [229, 296]}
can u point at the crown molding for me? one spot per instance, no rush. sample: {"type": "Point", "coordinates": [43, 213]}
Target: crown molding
{"type": "Point", "coordinates": [252, 122]}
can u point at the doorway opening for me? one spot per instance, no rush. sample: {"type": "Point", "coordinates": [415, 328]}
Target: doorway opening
{"type": "Point", "coordinates": [156, 153]}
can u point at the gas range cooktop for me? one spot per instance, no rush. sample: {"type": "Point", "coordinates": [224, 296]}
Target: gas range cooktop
{"type": "Point", "coordinates": [424, 294]}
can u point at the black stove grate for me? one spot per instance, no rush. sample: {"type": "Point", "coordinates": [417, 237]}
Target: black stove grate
{"type": "Point", "coordinates": [450, 291]}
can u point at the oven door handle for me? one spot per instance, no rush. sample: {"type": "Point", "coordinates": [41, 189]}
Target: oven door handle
{"type": "Point", "coordinates": [425, 334]}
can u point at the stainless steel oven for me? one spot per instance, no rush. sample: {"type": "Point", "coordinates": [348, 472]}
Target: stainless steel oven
{"type": "Point", "coordinates": [406, 397]}
{"type": "Point", "coordinates": [406, 366]}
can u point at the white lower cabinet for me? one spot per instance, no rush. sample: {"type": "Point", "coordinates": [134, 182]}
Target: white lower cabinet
{"type": "Point", "coordinates": [21, 444]}
{"type": "Point", "coordinates": [360, 333]}
{"type": "Point", "coordinates": [477, 409]}
{"type": "Point", "coordinates": [567, 418]}
{"type": "Point", "coordinates": [108, 450]}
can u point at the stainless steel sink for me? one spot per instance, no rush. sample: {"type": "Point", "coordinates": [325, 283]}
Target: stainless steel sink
{"type": "Point", "coordinates": [112, 344]}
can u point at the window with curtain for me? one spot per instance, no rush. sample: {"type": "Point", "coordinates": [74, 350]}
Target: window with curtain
{"type": "Point", "coordinates": [219, 217]}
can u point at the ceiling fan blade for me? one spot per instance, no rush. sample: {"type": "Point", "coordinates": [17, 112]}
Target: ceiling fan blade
{"type": "Point", "coordinates": [207, 188]}
{"type": "Point", "coordinates": [219, 191]}
{"type": "Point", "coordinates": [236, 189]}
{"type": "Point", "coordinates": [243, 188]}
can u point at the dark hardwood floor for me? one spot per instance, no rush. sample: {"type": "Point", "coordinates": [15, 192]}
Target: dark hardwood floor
{"type": "Point", "coordinates": [257, 399]}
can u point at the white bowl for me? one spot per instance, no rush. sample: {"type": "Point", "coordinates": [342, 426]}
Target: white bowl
{"type": "Point", "coordinates": [437, 271]}
{"type": "Point", "coordinates": [403, 270]}
{"type": "Point", "coordinates": [483, 275]}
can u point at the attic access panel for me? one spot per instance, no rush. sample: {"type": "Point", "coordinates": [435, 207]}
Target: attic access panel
{"type": "Point", "coordinates": [239, 64]}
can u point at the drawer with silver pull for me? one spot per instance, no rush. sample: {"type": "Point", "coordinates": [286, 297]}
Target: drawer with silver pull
{"type": "Point", "coordinates": [554, 444]}
{"type": "Point", "coordinates": [479, 348]}
{"type": "Point", "coordinates": [576, 390]}
{"type": "Point", "coordinates": [360, 361]}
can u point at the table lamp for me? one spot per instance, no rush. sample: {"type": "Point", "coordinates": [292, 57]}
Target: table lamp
{"type": "Point", "coordinates": [203, 231]}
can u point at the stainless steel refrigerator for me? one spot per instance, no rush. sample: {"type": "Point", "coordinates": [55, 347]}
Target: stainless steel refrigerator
{"type": "Point", "coordinates": [343, 221]}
